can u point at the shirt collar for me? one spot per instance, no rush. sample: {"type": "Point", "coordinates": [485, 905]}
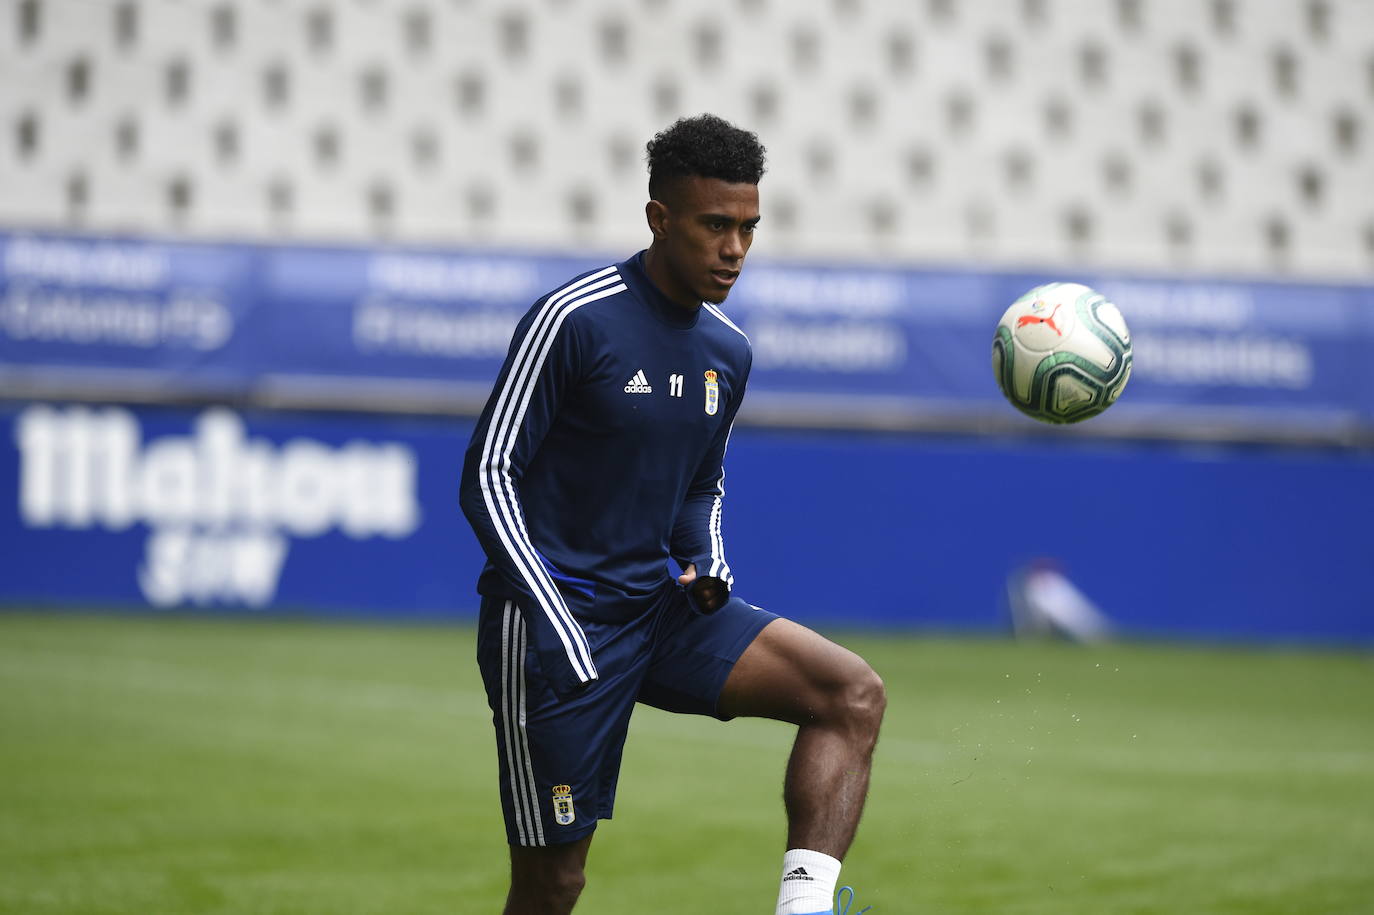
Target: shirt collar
{"type": "Point", "coordinates": [664, 308]}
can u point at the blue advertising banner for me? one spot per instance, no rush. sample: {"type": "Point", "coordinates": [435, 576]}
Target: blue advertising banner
{"type": "Point", "coordinates": [425, 330]}
{"type": "Point", "coordinates": [160, 507]}
{"type": "Point", "coordinates": [1206, 353]}
{"type": "Point", "coordinates": [153, 508]}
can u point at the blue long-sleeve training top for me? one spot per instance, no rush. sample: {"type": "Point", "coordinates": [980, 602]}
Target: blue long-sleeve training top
{"type": "Point", "coordinates": [599, 456]}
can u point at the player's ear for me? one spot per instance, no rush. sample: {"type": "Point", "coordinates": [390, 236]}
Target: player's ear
{"type": "Point", "coordinates": [656, 214]}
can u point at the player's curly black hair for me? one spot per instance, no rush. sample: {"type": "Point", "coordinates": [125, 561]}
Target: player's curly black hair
{"type": "Point", "coordinates": [704, 146]}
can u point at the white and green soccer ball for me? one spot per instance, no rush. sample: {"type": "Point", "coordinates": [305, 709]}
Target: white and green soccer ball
{"type": "Point", "coordinates": [1062, 353]}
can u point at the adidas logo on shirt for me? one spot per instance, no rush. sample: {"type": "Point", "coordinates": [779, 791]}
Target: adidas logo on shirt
{"type": "Point", "coordinates": [798, 874]}
{"type": "Point", "coordinates": [639, 384]}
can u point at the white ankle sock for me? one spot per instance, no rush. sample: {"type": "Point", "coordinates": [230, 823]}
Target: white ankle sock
{"type": "Point", "coordinates": [808, 883]}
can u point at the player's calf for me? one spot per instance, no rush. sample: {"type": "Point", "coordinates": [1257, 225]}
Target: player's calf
{"type": "Point", "coordinates": [828, 772]}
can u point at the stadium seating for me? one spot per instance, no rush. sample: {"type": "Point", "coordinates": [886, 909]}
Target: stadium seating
{"type": "Point", "coordinates": [1155, 135]}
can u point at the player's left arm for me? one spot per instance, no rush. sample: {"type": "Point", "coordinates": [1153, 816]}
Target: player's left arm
{"type": "Point", "coordinates": [698, 543]}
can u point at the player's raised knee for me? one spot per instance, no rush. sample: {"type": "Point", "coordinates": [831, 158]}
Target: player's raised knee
{"type": "Point", "coordinates": [863, 699]}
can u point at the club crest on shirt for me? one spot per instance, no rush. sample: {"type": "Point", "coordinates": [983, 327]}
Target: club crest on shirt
{"type": "Point", "coordinates": [712, 393]}
{"type": "Point", "coordinates": [563, 812]}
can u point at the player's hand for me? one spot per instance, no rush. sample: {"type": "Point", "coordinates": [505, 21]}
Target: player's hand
{"type": "Point", "coordinates": [706, 593]}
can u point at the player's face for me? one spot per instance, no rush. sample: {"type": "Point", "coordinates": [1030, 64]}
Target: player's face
{"type": "Point", "coordinates": [701, 235]}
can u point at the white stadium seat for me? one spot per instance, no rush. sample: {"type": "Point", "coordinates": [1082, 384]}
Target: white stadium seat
{"type": "Point", "coordinates": [1154, 134]}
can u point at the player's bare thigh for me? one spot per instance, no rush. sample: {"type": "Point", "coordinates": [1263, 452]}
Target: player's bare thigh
{"type": "Point", "coordinates": [793, 674]}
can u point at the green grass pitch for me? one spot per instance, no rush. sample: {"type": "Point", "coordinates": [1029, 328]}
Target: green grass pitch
{"type": "Point", "coordinates": [191, 765]}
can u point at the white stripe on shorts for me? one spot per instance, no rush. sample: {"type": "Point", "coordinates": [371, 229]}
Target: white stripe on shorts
{"type": "Point", "coordinates": [529, 825]}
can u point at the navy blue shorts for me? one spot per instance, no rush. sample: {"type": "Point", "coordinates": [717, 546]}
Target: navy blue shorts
{"type": "Point", "coordinates": [559, 760]}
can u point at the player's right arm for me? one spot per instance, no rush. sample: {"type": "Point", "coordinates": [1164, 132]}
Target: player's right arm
{"type": "Point", "coordinates": [542, 362]}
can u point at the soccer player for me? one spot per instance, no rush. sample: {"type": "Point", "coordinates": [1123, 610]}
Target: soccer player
{"type": "Point", "coordinates": [598, 460]}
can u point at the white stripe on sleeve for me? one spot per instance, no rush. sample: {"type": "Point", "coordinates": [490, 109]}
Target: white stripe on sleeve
{"type": "Point", "coordinates": [498, 486]}
{"type": "Point", "coordinates": [719, 567]}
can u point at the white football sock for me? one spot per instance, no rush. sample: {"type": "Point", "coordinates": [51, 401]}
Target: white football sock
{"type": "Point", "coordinates": [808, 882]}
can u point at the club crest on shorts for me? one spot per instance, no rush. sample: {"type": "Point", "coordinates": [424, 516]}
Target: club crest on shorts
{"type": "Point", "coordinates": [712, 393]}
{"type": "Point", "coordinates": [563, 812]}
